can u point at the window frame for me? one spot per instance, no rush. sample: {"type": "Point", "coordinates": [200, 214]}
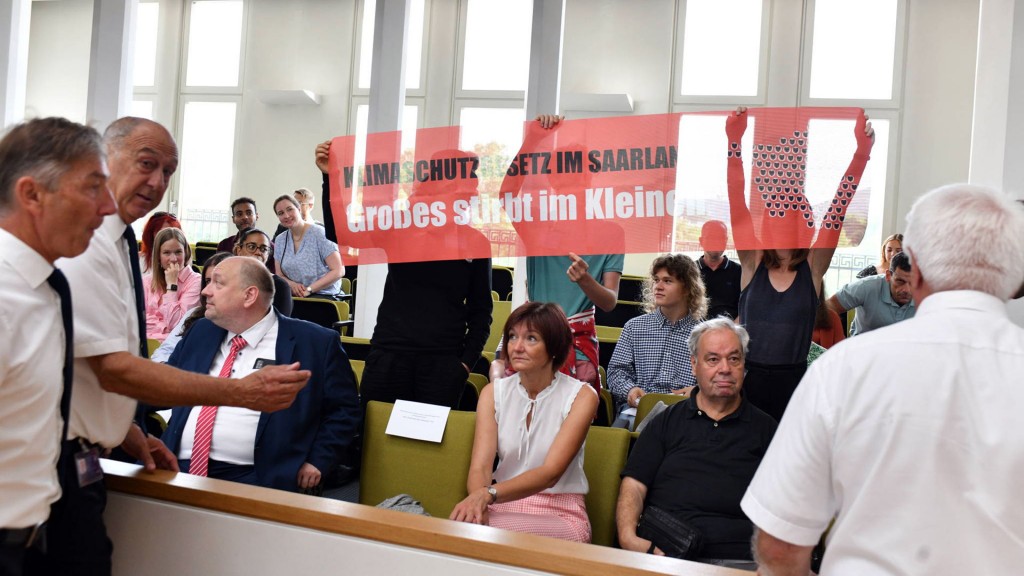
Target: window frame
{"type": "Point", "coordinates": [420, 92]}
{"type": "Point", "coordinates": [899, 58]}
{"type": "Point", "coordinates": [679, 100]}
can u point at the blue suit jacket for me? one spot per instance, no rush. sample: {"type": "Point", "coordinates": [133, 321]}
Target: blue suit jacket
{"type": "Point", "coordinates": [316, 428]}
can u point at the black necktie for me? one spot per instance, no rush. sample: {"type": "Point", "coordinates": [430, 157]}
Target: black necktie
{"type": "Point", "coordinates": [59, 283]}
{"type": "Point", "coordinates": [141, 410]}
{"type": "Point", "coordinates": [140, 298]}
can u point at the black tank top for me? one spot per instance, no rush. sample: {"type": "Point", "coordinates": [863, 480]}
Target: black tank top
{"type": "Point", "coordinates": [780, 323]}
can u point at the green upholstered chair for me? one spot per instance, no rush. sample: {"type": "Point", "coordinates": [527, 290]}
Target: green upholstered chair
{"type": "Point", "coordinates": [604, 457]}
{"type": "Point", "coordinates": [499, 315]}
{"type": "Point", "coordinates": [357, 367]}
{"type": "Point", "coordinates": [647, 401]}
{"type": "Point", "coordinates": [434, 474]}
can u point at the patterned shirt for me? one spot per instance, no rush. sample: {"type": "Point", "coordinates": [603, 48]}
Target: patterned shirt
{"type": "Point", "coordinates": [652, 353]}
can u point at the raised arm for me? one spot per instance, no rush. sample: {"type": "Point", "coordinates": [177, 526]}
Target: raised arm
{"type": "Point", "coordinates": [828, 234]}
{"type": "Point", "coordinates": [748, 246]}
{"type": "Point", "coordinates": [604, 293]}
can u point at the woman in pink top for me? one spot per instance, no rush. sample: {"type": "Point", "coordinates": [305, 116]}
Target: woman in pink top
{"type": "Point", "coordinates": [171, 286]}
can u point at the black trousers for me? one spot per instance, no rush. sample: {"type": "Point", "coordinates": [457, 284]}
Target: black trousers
{"type": "Point", "coordinates": [76, 538]}
{"type": "Point", "coordinates": [392, 375]}
{"type": "Point", "coordinates": [769, 387]}
{"type": "Point", "coordinates": [11, 560]}
{"type": "Point", "coordinates": [224, 471]}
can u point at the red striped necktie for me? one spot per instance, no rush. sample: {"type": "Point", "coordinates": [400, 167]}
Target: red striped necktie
{"type": "Point", "coordinates": [200, 462]}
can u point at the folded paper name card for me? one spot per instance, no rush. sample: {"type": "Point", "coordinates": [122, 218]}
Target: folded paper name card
{"type": "Point", "coordinates": [418, 421]}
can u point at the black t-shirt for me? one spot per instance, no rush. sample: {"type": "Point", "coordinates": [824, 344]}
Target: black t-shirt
{"type": "Point", "coordinates": [722, 286]}
{"type": "Point", "coordinates": [699, 469]}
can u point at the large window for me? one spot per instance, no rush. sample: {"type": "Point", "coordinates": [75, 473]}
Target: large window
{"type": "Point", "coordinates": [214, 43]}
{"type": "Point", "coordinates": [210, 96]}
{"type": "Point", "coordinates": [413, 44]}
{"type": "Point", "coordinates": [719, 62]}
{"type": "Point", "coordinates": [496, 50]}
{"type": "Point", "coordinates": [853, 49]}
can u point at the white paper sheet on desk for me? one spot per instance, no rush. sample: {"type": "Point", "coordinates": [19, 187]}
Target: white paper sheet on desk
{"type": "Point", "coordinates": [418, 421]}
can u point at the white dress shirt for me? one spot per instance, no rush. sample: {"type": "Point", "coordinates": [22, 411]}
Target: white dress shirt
{"type": "Point", "coordinates": [234, 429]}
{"type": "Point", "coordinates": [106, 321]}
{"type": "Point", "coordinates": [908, 434]}
{"type": "Point", "coordinates": [31, 381]}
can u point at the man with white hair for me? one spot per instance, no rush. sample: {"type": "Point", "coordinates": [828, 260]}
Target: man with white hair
{"type": "Point", "coordinates": [904, 435]}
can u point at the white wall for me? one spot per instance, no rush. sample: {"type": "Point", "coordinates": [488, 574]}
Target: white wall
{"type": "Point", "coordinates": [1013, 175]}
{"type": "Point", "coordinates": [151, 536]}
{"type": "Point", "coordinates": [614, 47]}
{"type": "Point", "coordinates": [938, 99]}
{"type": "Point", "coordinates": [58, 59]}
{"type": "Point", "coordinates": [301, 44]}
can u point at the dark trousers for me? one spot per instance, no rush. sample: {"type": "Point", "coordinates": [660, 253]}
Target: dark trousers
{"type": "Point", "coordinates": [11, 560]}
{"type": "Point", "coordinates": [225, 471]}
{"type": "Point", "coordinates": [76, 538]}
{"type": "Point", "coordinates": [429, 378]}
{"type": "Point", "coordinates": [769, 387]}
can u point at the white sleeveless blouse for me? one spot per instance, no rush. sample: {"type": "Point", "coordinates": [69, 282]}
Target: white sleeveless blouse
{"type": "Point", "coordinates": [521, 449]}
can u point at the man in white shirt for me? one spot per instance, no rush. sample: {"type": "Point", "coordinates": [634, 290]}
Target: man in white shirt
{"type": "Point", "coordinates": [905, 435]}
{"type": "Point", "coordinates": [53, 194]}
{"type": "Point", "coordinates": [109, 374]}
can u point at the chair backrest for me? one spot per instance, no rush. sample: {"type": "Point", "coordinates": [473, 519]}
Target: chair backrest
{"type": "Point", "coordinates": [647, 401]}
{"type": "Point", "coordinates": [608, 333]}
{"type": "Point", "coordinates": [434, 474]}
{"type": "Point", "coordinates": [357, 367]}
{"type": "Point", "coordinates": [202, 252]}
{"type": "Point", "coordinates": [604, 457]}
{"type": "Point", "coordinates": [499, 315]}
{"type": "Point", "coordinates": [319, 311]}
{"type": "Point", "coordinates": [624, 311]}
{"type": "Point", "coordinates": [631, 287]}
{"type": "Point", "coordinates": [355, 348]}
{"type": "Point", "coordinates": [346, 285]}
{"type": "Point", "coordinates": [152, 344]}
{"type": "Point", "coordinates": [605, 409]}
{"type": "Point", "coordinates": [501, 281]}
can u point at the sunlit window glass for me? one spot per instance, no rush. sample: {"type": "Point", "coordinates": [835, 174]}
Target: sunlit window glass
{"type": "Point", "coordinates": [413, 44]}
{"type": "Point", "coordinates": [214, 43]}
{"type": "Point", "coordinates": [497, 51]}
{"type": "Point", "coordinates": [142, 108]}
{"type": "Point", "coordinates": [207, 159]}
{"type": "Point", "coordinates": [721, 48]}
{"type": "Point", "coordinates": [853, 51]}
{"type": "Point", "coordinates": [492, 131]}
{"type": "Point", "coordinates": [146, 20]}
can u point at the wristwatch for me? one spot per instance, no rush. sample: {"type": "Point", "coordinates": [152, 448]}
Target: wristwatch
{"type": "Point", "coordinates": [494, 494]}
{"type": "Point", "coordinates": [309, 289]}
{"type": "Point", "coordinates": [173, 287]}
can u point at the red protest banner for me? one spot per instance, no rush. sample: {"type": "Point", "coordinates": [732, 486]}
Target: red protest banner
{"type": "Point", "coordinates": [601, 186]}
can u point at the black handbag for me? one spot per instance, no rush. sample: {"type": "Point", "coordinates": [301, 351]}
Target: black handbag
{"type": "Point", "coordinates": [673, 536]}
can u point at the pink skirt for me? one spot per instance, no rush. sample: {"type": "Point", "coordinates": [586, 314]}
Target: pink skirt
{"type": "Point", "coordinates": [555, 515]}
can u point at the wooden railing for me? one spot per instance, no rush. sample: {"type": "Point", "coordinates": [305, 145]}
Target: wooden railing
{"type": "Point", "coordinates": [152, 517]}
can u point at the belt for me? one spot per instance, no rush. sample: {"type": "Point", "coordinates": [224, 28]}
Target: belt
{"type": "Point", "coordinates": [23, 537]}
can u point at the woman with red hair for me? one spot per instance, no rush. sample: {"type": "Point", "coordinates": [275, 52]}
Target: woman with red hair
{"type": "Point", "coordinates": [157, 222]}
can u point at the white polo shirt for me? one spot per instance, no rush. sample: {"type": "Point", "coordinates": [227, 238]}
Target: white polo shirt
{"type": "Point", "coordinates": [909, 435]}
{"type": "Point", "coordinates": [105, 322]}
{"type": "Point", "coordinates": [31, 382]}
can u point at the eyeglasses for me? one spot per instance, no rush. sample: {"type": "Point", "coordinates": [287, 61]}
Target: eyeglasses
{"type": "Point", "coordinates": [254, 247]}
